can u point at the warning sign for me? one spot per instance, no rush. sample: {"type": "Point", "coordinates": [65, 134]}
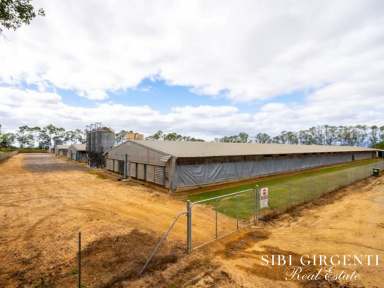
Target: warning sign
{"type": "Point", "coordinates": [264, 197]}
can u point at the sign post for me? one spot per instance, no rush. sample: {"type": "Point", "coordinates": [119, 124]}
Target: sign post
{"type": "Point", "coordinates": [264, 196]}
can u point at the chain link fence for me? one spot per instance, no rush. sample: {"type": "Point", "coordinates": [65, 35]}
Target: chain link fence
{"type": "Point", "coordinates": [228, 213]}
{"type": "Point", "coordinates": [223, 215]}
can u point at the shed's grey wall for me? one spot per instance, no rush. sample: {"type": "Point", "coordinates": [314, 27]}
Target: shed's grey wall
{"type": "Point", "coordinates": [116, 166]}
{"type": "Point", "coordinates": [109, 164]}
{"type": "Point", "coordinates": [143, 163]}
{"type": "Point", "coordinates": [62, 152]}
{"type": "Point", "coordinates": [364, 155]}
{"type": "Point", "coordinates": [81, 156]}
{"type": "Point", "coordinates": [136, 153]}
{"type": "Point", "coordinates": [73, 154]}
{"type": "Point", "coordinates": [209, 173]}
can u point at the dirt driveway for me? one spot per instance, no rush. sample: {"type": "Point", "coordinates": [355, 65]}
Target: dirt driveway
{"type": "Point", "coordinates": [44, 202]}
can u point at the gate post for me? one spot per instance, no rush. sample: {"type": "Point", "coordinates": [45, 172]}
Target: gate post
{"type": "Point", "coordinates": [189, 226]}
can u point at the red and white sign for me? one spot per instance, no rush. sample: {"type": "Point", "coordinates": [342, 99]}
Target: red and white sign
{"type": "Point", "coordinates": [264, 196]}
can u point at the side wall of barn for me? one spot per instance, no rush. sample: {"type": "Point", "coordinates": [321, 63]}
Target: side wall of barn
{"type": "Point", "coordinates": [142, 163]}
{"type": "Point", "coordinates": [77, 155]}
{"type": "Point", "coordinates": [210, 171]}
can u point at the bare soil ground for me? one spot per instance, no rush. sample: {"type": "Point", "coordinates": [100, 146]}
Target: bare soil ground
{"type": "Point", "coordinates": [349, 221]}
{"type": "Point", "coordinates": [44, 202]}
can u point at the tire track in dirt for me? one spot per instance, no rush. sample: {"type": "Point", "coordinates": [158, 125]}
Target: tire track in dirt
{"type": "Point", "coordinates": [29, 199]}
{"type": "Point", "coordinates": [39, 232]}
{"type": "Point", "coordinates": [29, 233]}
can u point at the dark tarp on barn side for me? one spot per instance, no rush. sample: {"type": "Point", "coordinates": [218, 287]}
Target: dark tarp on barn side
{"type": "Point", "coordinates": [179, 165]}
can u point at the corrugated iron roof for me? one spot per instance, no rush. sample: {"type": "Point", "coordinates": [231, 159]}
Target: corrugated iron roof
{"type": "Point", "coordinates": [212, 149]}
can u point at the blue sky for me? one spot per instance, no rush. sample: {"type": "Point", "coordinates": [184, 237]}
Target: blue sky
{"type": "Point", "coordinates": [162, 95]}
{"type": "Point", "coordinates": [202, 68]}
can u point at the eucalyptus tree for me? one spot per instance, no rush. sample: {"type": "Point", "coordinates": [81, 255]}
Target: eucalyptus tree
{"type": "Point", "coordinates": [14, 13]}
{"type": "Point", "coordinates": [262, 138]}
{"type": "Point", "coordinates": [49, 133]}
{"type": "Point", "coordinates": [7, 139]}
{"type": "Point", "coordinates": [24, 136]}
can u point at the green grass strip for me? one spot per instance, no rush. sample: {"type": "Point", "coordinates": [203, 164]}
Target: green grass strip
{"type": "Point", "coordinates": [289, 190]}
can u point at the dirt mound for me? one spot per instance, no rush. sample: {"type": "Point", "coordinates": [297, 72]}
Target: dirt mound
{"type": "Point", "coordinates": [233, 248]}
{"type": "Point", "coordinates": [109, 261]}
{"type": "Point", "coordinates": [196, 270]}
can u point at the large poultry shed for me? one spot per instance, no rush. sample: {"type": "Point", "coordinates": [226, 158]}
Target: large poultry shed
{"type": "Point", "coordinates": [187, 165]}
{"type": "Point", "coordinates": [77, 152]}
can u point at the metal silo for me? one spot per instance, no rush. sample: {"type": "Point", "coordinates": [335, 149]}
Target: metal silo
{"type": "Point", "coordinates": [105, 139]}
{"type": "Point", "coordinates": [99, 140]}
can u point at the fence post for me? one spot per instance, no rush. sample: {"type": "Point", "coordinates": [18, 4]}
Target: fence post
{"type": "Point", "coordinates": [255, 216]}
{"type": "Point", "coordinates": [79, 262]}
{"type": "Point", "coordinates": [189, 226]}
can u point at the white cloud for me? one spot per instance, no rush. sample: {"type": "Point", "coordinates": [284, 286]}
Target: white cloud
{"type": "Point", "coordinates": [252, 49]}
{"type": "Point", "coordinates": [205, 110]}
{"type": "Point", "coordinates": [18, 107]}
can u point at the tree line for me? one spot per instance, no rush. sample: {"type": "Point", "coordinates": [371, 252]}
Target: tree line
{"type": "Point", "coordinates": [172, 136]}
{"type": "Point", "coordinates": [358, 135]}
{"type": "Point", "coordinates": [41, 137]}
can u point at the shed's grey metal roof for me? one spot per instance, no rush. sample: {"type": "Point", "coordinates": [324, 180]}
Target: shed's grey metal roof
{"type": "Point", "coordinates": [62, 147]}
{"type": "Point", "coordinates": [78, 147]}
{"type": "Point", "coordinates": [212, 149]}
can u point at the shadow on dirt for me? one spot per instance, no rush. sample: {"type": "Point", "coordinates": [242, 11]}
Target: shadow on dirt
{"type": "Point", "coordinates": [109, 261]}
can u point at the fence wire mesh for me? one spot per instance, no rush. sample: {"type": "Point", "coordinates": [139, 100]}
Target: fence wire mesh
{"type": "Point", "coordinates": [225, 214]}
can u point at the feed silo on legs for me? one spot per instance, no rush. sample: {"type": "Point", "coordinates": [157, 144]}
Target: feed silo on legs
{"type": "Point", "coordinates": [99, 140]}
